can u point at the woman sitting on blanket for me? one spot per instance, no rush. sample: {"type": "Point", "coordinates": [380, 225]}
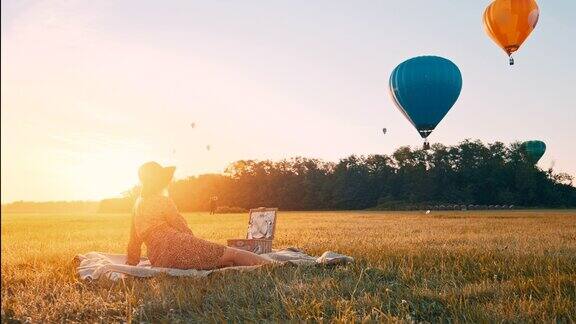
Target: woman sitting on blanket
{"type": "Point", "coordinates": [169, 241]}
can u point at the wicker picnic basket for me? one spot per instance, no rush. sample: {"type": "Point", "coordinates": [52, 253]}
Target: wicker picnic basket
{"type": "Point", "coordinates": [261, 228]}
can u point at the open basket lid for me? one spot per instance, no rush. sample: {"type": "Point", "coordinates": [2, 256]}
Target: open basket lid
{"type": "Point", "coordinates": [262, 223]}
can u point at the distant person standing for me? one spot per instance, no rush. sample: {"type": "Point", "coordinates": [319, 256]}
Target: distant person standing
{"type": "Point", "coordinates": [213, 204]}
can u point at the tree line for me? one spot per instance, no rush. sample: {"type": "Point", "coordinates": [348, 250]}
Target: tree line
{"type": "Point", "coordinates": [470, 173]}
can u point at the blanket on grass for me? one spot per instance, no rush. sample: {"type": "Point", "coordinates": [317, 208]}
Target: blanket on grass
{"type": "Point", "coordinates": [95, 265]}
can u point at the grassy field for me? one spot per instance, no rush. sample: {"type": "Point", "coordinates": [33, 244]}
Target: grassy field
{"type": "Point", "coordinates": [464, 266]}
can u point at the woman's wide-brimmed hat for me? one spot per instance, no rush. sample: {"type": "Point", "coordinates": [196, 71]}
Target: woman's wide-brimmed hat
{"type": "Point", "coordinates": [154, 175]}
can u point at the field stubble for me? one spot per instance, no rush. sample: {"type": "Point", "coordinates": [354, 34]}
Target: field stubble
{"type": "Point", "coordinates": [465, 266]}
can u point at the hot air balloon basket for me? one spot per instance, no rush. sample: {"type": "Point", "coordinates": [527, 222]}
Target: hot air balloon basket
{"type": "Point", "coordinates": [261, 228]}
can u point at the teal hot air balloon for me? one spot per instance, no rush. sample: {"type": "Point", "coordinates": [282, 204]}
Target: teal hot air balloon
{"type": "Point", "coordinates": [424, 88]}
{"type": "Point", "coordinates": [534, 150]}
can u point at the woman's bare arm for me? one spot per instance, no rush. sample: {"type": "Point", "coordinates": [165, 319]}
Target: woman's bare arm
{"type": "Point", "coordinates": [134, 246]}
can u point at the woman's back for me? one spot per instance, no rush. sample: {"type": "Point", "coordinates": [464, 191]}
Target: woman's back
{"type": "Point", "coordinates": [151, 212]}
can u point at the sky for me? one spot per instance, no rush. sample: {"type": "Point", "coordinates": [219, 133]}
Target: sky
{"type": "Point", "coordinates": [92, 89]}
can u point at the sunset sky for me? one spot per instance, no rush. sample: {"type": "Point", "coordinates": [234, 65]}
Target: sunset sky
{"type": "Point", "coordinates": [92, 89]}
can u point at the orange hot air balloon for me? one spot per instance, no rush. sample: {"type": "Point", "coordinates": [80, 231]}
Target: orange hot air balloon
{"type": "Point", "coordinates": [509, 22]}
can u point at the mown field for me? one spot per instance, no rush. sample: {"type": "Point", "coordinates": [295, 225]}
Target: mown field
{"type": "Point", "coordinates": [461, 266]}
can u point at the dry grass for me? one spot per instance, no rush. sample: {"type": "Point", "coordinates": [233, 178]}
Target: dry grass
{"type": "Point", "coordinates": [463, 266]}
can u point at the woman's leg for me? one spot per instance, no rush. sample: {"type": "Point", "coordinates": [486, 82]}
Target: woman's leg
{"type": "Point", "coordinates": [237, 257]}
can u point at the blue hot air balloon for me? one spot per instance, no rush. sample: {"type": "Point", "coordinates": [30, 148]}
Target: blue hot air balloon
{"type": "Point", "coordinates": [534, 150]}
{"type": "Point", "coordinates": [424, 88]}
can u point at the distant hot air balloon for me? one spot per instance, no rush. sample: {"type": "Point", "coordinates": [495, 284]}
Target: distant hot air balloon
{"type": "Point", "coordinates": [510, 22]}
{"type": "Point", "coordinates": [208, 147]}
{"type": "Point", "coordinates": [424, 89]}
{"type": "Point", "coordinates": [193, 125]}
{"type": "Point", "coordinates": [534, 150]}
{"type": "Point", "coordinates": [384, 130]}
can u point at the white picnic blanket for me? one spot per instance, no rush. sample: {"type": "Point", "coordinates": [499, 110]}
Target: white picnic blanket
{"type": "Point", "coordinates": [94, 265]}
